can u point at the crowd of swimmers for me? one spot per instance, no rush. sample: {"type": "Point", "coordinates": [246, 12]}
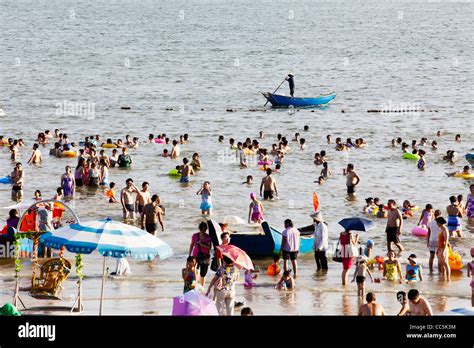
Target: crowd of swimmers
{"type": "Point", "coordinates": [93, 165]}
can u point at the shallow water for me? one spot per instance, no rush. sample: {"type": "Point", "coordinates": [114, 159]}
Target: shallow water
{"type": "Point", "coordinates": [214, 56]}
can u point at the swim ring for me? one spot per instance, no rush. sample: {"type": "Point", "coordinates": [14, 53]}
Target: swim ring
{"type": "Point", "coordinates": [419, 231]}
{"type": "Point", "coordinates": [265, 163]}
{"type": "Point", "coordinates": [174, 173]}
{"type": "Point", "coordinates": [464, 176]}
{"type": "Point", "coordinates": [160, 141]}
{"type": "Point", "coordinates": [69, 153]}
{"type": "Point", "coordinates": [411, 156]}
{"type": "Point", "coordinates": [5, 180]}
{"type": "Point", "coordinates": [109, 146]}
{"type": "Point", "coordinates": [248, 152]}
{"type": "Point", "coordinates": [454, 260]}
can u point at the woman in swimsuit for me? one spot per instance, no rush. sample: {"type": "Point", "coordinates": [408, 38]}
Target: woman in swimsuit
{"type": "Point", "coordinates": [206, 202]}
{"type": "Point", "coordinates": [103, 173]}
{"type": "Point", "coordinates": [255, 210]}
{"type": "Point", "coordinates": [443, 244]}
{"type": "Point", "coordinates": [94, 175]}
{"type": "Point", "coordinates": [68, 183]}
{"type": "Point", "coordinates": [421, 161]}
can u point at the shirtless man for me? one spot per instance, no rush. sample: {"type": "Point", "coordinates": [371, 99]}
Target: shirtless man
{"type": "Point", "coordinates": [152, 215]}
{"type": "Point", "coordinates": [126, 198]}
{"type": "Point", "coordinates": [418, 305]}
{"type": "Point", "coordinates": [143, 198]}
{"type": "Point", "coordinates": [18, 181]}
{"type": "Point", "coordinates": [268, 186]}
{"type": "Point", "coordinates": [455, 215]}
{"type": "Point", "coordinates": [186, 171]}
{"type": "Point", "coordinates": [371, 308]}
{"type": "Point", "coordinates": [36, 157]}
{"type": "Point", "coordinates": [175, 152]}
{"type": "Point", "coordinates": [394, 226]}
{"type": "Point", "coordinates": [352, 179]}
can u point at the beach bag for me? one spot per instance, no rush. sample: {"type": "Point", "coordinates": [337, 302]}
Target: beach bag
{"type": "Point", "coordinates": [214, 264]}
{"type": "Point", "coordinates": [337, 254]}
{"type": "Point", "coordinates": [204, 259]}
{"type": "Point", "coordinates": [353, 250]}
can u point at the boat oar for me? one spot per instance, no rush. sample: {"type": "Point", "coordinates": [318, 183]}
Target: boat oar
{"type": "Point", "coordinates": [282, 82]}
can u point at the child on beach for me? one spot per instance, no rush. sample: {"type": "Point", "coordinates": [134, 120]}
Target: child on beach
{"type": "Point", "coordinates": [286, 282]}
{"type": "Point", "coordinates": [246, 312]}
{"type": "Point", "coordinates": [407, 209]}
{"type": "Point", "coordinates": [110, 193]}
{"type": "Point", "coordinates": [422, 160]}
{"type": "Point", "coordinates": [196, 162]}
{"type": "Point", "coordinates": [250, 276]}
{"type": "Point", "coordinates": [359, 275]}
{"type": "Point", "coordinates": [465, 171]}
{"type": "Point", "coordinates": [274, 268]}
{"type": "Point", "coordinates": [381, 212]}
{"type": "Point", "coordinates": [189, 274]}
{"type": "Point", "coordinates": [320, 180]}
{"type": "Point", "coordinates": [413, 270]}
{"type": "Point", "coordinates": [206, 203]}
{"type": "Point", "coordinates": [255, 210]}
{"type": "Point", "coordinates": [402, 298]}
{"type": "Point", "coordinates": [369, 205]}
{"type": "Point", "coordinates": [249, 180]}
{"type": "Point", "coordinates": [426, 216]}
{"type": "Point", "coordinates": [325, 172]}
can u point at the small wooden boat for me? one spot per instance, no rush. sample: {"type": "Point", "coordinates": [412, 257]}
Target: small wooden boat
{"type": "Point", "coordinates": [283, 101]}
{"type": "Point", "coordinates": [266, 241]}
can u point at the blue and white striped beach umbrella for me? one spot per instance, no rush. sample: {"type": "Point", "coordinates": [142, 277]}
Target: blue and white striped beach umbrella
{"type": "Point", "coordinates": [109, 238]}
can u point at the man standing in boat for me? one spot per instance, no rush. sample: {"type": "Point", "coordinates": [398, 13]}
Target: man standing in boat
{"type": "Point", "coordinates": [291, 83]}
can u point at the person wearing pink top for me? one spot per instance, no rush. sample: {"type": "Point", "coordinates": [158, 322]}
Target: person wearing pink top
{"type": "Point", "coordinates": [290, 246]}
{"type": "Point", "coordinates": [200, 248]}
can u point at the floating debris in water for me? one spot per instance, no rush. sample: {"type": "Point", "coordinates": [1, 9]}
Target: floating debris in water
{"type": "Point", "coordinates": [125, 108]}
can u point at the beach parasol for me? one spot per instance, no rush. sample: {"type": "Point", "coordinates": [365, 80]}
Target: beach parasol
{"type": "Point", "coordinates": [237, 255]}
{"type": "Point", "coordinates": [234, 220]}
{"type": "Point", "coordinates": [193, 303]}
{"type": "Point", "coordinates": [459, 311]}
{"type": "Point", "coordinates": [356, 224]}
{"type": "Point", "coordinates": [109, 238]}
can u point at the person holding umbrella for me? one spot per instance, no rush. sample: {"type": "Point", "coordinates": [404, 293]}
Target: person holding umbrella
{"type": "Point", "coordinates": [348, 243]}
{"type": "Point", "coordinates": [225, 279]}
{"type": "Point", "coordinates": [320, 241]}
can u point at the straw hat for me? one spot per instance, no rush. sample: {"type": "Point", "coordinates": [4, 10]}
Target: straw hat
{"type": "Point", "coordinates": [317, 216]}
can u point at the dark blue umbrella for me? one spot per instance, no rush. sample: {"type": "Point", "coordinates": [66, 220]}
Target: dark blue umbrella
{"type": "Point", "coordinates": [356, 224]}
